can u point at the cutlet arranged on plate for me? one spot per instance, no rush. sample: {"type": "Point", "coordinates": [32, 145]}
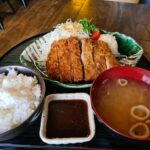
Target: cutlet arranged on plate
{"type": "Point", "coordinates": [64, 62]}
{"type": "Point", "coordinates": [79, 60]}
{"type": "Point", "coordinates": [75, 59]}
{"type": "Point", "coordinates": [75, 53]}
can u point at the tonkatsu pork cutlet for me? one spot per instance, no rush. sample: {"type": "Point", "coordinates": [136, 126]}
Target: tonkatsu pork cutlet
{"type": "Point", "coordinates": [103, 57]}
{"type": "Point", "coordinates": [75, 59]}
{"type": "Point", "coordinates": [110, 59]}
{"type": "Point", "coordinates": [90, 70]}
{"type": "Point", "coordinates": [99, 56]}
{"type": "Point", "coordinates": [68, 62]}
{"type": "Point", "coordinates": [52, 63]}
{"type": "Point", "coordinates": [64, 61]}
{"type": "Point", "coordinates": [58, 63]}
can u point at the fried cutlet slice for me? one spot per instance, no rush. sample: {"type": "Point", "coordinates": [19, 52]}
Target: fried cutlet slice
{"type": "Point", "coordinates": [75, 59]}
{"type": "Point", "coordinates": [103, 57]}
{"type": "Point", "coordinates": [64, 61]}
{"type": "Point", "coordinates": [99, 56]}
{"type": "Point", "coordinates": [52, 63]}
{"type": "Point", "coordinates": [111, 61]}
{"type": "Point", "coordinates": [90, 70]}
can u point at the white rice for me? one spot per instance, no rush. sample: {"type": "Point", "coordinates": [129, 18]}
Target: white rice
{"type": "Point", "coordinates": [19, 97]}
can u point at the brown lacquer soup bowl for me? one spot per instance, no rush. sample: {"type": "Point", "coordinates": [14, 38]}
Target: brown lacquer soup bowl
{"type": "Point", "coordinates": [120, 98]}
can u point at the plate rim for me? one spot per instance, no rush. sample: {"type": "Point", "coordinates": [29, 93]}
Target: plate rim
{"type": "Point", "coordinates": [67, 85]}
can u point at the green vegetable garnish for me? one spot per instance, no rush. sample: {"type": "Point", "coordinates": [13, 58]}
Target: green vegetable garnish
{"type": "Point", "coordinates": [87, 26]}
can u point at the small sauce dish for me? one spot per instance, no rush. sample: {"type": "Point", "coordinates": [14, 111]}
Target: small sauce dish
{"type": "Point", "coordinates": [67, 118]}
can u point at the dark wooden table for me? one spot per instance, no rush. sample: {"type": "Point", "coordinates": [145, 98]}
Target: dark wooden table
{"type": "Point", "coordinates": [40, 16]}
{"type": "Point", "coordinates": [133, 20]}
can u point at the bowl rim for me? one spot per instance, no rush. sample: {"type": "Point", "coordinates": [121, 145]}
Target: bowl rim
{"type": "Point", "coordinates": [99, 116]}
{"type": "Point", "coordinates": [32, 116]}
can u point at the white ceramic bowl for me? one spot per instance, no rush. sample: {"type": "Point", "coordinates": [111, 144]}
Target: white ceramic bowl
{"type": "Point", "coordinates": [69, 96]}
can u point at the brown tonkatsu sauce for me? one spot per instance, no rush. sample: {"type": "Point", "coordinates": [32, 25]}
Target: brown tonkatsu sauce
{"type": "Point", "coordinates": [67, 118]}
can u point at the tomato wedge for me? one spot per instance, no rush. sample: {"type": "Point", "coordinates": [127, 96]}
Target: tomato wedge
{"type": "Point", "coordinates": [95, 35]}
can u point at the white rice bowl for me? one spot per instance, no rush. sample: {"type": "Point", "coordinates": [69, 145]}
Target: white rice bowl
{"type": "Point", "coordinates": [19, 98]}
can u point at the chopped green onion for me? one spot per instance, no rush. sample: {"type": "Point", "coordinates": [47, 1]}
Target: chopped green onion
{"type": "Point", "coordinates": [87, 26]}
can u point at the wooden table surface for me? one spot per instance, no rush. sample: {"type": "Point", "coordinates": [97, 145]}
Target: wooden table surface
{"type": "Point", "coordinates": [40, 16]}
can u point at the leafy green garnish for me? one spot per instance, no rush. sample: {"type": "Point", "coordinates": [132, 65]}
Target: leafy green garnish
{"type": "Point", "coordinates": [87, 26]}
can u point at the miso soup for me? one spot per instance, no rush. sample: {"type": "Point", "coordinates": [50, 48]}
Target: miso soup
{"type": "Point", "coordinates": [124, 104]}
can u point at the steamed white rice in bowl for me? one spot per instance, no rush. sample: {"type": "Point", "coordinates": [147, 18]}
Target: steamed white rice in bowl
{"type": "Point", "coordinates": [20, 95]}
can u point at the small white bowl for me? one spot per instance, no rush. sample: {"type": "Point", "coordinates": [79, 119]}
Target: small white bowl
{"type": "Point", "coordinates": [32, 117]}
{"type": "Point", "coordinates": [69, 96]}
